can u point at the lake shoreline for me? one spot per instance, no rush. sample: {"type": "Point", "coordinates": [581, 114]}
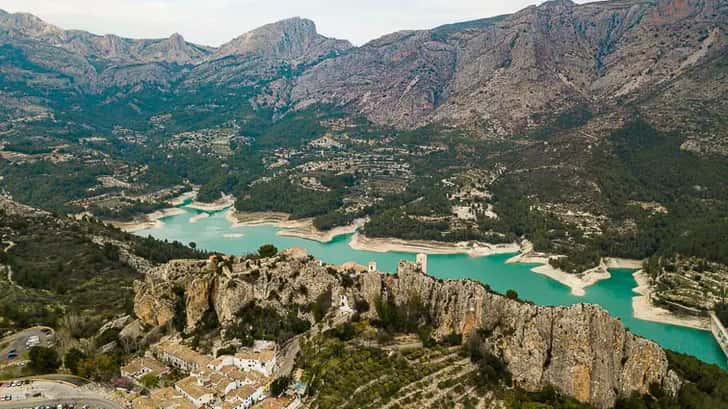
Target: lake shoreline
{"type": "Point", "coordinates": [644, 309]}
{"type": "Point", "coordinates": [149, 221]}
{"type": "Point", "coordinates": [298, 228]}
{"type": "Point", "coordinates": [472, 249]}
{"type": "Point", "coordinates": [153, 220]}
{"type": "Point", "coordinates": [226, 201]}
{"type": "Point", "coordinates": [304, 229]}
{"type": "Point", "coordinates": [578, 283]}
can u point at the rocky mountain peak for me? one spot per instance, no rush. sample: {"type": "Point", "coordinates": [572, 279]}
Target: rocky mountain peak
{"type": "Point", "coordinates": [558, 4]}
{"type": "Point", "coordinates": [27, 24]}
{"type": "Point", "coordinates": [287, 39]}
{"type": "Point", "coordinates": [109, 46]}
{"type": "Point", "coordinates": [177, 40]}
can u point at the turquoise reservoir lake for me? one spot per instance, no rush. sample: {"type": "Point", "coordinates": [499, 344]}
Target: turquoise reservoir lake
{"type": "Point", "coordinates": [215, 233]}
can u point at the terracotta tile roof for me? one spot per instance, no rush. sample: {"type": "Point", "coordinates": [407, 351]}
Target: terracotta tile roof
{"type": "Point", "coordinates": [274, 403]}
{"type": "Point", "coordinates": [165, 398]}
{"type": "Point", "coordinates": [258, 356]}
{"type": "Point", "coordinates": [241, 394]}
{"type": "Point", "coordinates": [184, 353]}
{"type": "Point", "coordinates": [190, 386]}
{"type": "Point", "coordinates": [138, 364]}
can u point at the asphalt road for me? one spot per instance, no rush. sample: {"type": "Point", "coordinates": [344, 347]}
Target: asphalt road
{"type": "Point", "coordinates": [77, 402]}
{"type": "Point", "coordinates": [17, 341]}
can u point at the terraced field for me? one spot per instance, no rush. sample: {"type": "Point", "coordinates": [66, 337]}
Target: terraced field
{"type": "Point", "coordinates": [347, 375]}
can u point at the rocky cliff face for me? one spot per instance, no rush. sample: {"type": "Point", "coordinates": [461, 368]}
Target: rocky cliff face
{"type": "Point", "coordinates": [502, 71]}
{"type": "Point", "coordinates": [22, 26]}
{"type": "Point", "coordinates": [579, 350]}
{"type": "Point", "coordinates": [268, 59]}
{"type": "Point", "coordinates": [295, 40]}
{"type": "Point", "coordinates": [505, 74]}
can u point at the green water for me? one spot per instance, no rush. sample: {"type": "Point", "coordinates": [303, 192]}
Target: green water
{"type": "Point", "coordinates": [615, 294]}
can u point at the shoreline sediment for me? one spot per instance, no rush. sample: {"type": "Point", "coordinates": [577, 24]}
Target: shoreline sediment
{"type": "Point", "coordinates": [153, 220]}
{"type": "Point", "coordinates": [226, 201]}
{"type": "Point", "coordinates": [576, 282]}
{"type": "Point", "coordinates": [643, 308]}
{"type": "Point", "coordinates": [150, 221]}
{"type": "Point", "coordinates": [300, 228]}
{"type": "Point", "coordinates": [472, 249]}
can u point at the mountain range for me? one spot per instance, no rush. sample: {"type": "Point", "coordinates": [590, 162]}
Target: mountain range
{"type": "Point", "coordinates": [506, 74]}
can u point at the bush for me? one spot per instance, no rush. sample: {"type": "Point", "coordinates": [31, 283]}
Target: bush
{"type": "Point", "coordinates": [453, 339]}
{"type": "Point", "coordinates": [267, 250]}
{"type": "Point", "coordinates": [149, 381]}
{"type": "Point", "coordinates": [43, 360]}
{"type": "Point", "coordinates": [278, 386]}
{"type": "Point", "coordinates": [110, 335]}
{"type": "Point", "coordinates": [73, 358]}
{"type": "Point", "coordinates": [512, 294]}
{"type": "Point", "coordinates": [343, 332]}
{"type": "Point", "coordinates": [230, 350]}
{"type": "Point", "coordinates": [100, 368]}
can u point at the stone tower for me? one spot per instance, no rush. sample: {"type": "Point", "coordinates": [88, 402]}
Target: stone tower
{"type": "Point", "coordinates": [422, 262]}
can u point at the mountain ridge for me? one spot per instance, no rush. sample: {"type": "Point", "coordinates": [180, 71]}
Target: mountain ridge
{"type": "Point", "coordinates": [503, 72]}
{"type": "Point", "coordinates": [109, 46]}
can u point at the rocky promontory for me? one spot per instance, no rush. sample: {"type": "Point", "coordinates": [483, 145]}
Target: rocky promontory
{"type": "Point", "coordinates": [579, 350]}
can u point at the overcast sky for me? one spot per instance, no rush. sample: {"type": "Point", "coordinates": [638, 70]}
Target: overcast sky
{"type": "Point", "coordinates": [213, 22]}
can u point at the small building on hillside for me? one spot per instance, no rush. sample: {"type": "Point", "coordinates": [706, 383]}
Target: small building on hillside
{"type": "Point", "coordinates": [165, 398]}
{"type": "Point", "coordinates": [243, 398]}
{"type": "Point", "coordinates": [197, 394]}
{"type": "Point", "coordinates": [283, 402]}
{"type": "Point", "coordinates": [262, 362]}
{"type": "Point", "coordinates": [140, 366]}
{"type": "Point", "coordinates": [181, 357]}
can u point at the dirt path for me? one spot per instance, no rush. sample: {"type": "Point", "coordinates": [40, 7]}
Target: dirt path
{"type": "Point", "coordinates": [10, 245]}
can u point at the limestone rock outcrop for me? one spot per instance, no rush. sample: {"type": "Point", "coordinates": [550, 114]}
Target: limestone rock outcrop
{"type": "Point", "coordinates": [580, 350]}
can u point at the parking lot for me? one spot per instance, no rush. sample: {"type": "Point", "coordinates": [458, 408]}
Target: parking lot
{"type": "Point", "coordinates": [45, 394]}
{"type": "Point", "coordinates": [70, 403]}
{"type": "Point", "coordinates": [14, 346]}
{"type": "Point", "coordinates": [13, 390]}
